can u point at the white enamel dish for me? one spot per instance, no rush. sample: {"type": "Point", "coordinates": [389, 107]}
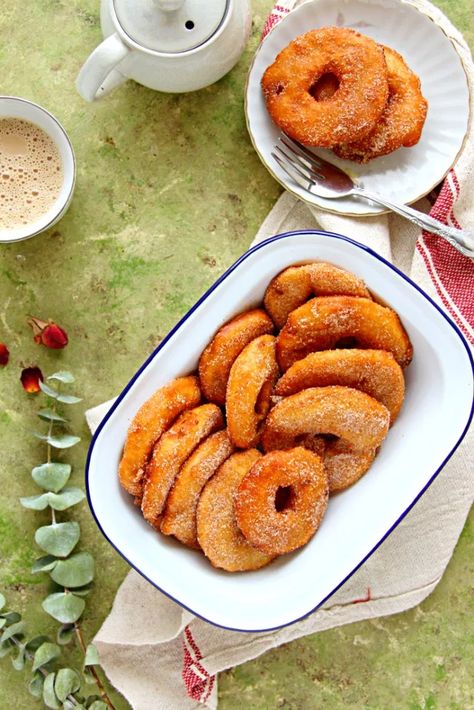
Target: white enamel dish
{"type": "Point", "coordinates": [408, 173]}
{"type": "Point", "coordinates": [434, 419]}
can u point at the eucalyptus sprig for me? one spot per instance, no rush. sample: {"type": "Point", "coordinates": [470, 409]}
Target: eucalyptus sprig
{"type": "Point", "coordinates": [71, 571]}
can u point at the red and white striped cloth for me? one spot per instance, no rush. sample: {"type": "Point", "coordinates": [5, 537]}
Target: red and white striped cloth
{"type": "Point", "coordinates": [163, 658]}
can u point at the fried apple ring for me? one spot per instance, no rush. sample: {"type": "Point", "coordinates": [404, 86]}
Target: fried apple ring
{"type": "Point", "coordinates": [344, 412]}
{"type": "Point", "coordinates": [327, 322]}
{"type": "Point", "coordinates": [296, 284]}
{"type": "Point", "coordinates": [153, 418]}
{"type": "Point", "coordinates": [359, 422]}
{"type": "Point", "coordinates": [218, 534]}
{"type": "Point", "coordinates": [375, 372]}
{"type": "Point", "coordinates": [402, 120]}
{"type": "Point", "coordinates": [281, 501]}
{"type": "Point", "coordinates": [229, 341]}
{"type": "Point", "coordinates": [171, 451]}
{"type": "Point", "coordinates": [359, 66]}
{"type": "Point", "coordinates": [179, 517]}
{"type": "Point", "coordinates": [249, 389]}
{"type": "Point", "coordinates": [344, 465]}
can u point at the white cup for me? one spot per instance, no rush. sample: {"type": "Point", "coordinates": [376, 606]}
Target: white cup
{"type": "Point", "coordinates": [13, 107]}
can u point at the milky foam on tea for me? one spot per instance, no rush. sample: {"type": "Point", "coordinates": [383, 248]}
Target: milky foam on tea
{"type": "Point", "coordinates": [31, 173]}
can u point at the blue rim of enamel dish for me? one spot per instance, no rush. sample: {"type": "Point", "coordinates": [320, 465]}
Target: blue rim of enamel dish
{"type": "Point", "coordinates": [244, 256]}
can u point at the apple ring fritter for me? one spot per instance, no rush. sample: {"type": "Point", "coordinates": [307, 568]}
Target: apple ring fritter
{"type": "Point", "coordinates": [296, 284]}
{"type": "Point", "coordinates": [344, 465]}
{"type": "Point", "coordinates": [179, 516]}
{"type": "Point", "coordinates": [328, 322]}
{"type": "Point", "coordinates": [153, 418]}
{"type": "Point", "coordinates": [229, 341]}
{"type": "Point", "coordinates": [249, 390]}
{"type": "Point", "coordinates": [218, 534]}
{"type": "Point", "coordinates": [360, 69]}
{"type": "Point", "coordinates": [375, 372]}
{"type": "Point", "coordinates": [402, 120]}
{"type": "Point", "coordinates": [356, 419]}
{"type": "Point", "coordinates": [281, 501]}
{"type": "Point", "coordinates": [171, 451]}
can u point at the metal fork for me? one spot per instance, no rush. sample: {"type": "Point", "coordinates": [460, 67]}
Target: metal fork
{"type": "Point", "coordinates": [324, 179]}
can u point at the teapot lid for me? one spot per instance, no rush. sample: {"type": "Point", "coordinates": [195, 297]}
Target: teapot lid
{"type": "Point", "coordinates": [170, 26]}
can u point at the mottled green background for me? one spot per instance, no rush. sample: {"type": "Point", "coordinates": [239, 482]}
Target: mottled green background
{"type": "Point", "coordinates": [169, 193]}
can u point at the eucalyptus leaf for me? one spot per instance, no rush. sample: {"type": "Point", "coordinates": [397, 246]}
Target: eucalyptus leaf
{"type": "Point", "coordinates": [44, 654]}
{"type": "Point", "coordinates": [44, 564]}
{"type": "Point", "coordinates": [64, 607]}
{"type": "Point", "coordinates": [49, 415]}
{"type": "Point", "coordinates": [98, 705]}
{"type": "Point", "coordinates": [35, 686]}
{"type": "Point", "coordinates": [66, 499]}
{"type": "Point", "coordinates": [59, 501]}
{"type": "Point", "coordinates": [39, 502]}
{"type": "Point", "coordinates": [91, 657]}
{"type": "Point", "coordinates": [62, 441]}
{"type": "Point", "coordinates": [50, 391]}
{"type": "Point", "coordinates": [3, 601]}
{"type": "Point", "coordinates": [2, 622]}
{"type": "Point", "coordinates": [11, 617]}
{"type": "Point", "coordinates": [91, 699]}
{"type": "Point", "coordinates": [65, 634]}
{"type": "Point", "coordinates": [67, 682]}
{"type": "Point", "coordinates": [75, 571]}
{"type": "Point", "coordinates": [34, 643]}
{"type": "Point", "coordinates": [49, 696]}
{"type": "Point", "coordinates": [62, 376]}
{"type": "Point", "coordinates": [68, 399]}
{"type": "Point", "coordinates": [59, 538]}
{"type": "Point", "coordinates": [19, 661]}
{"type": "Point", "coordinates": [52, 476]}
{"type": "Point", "coordinates": [12, 630]}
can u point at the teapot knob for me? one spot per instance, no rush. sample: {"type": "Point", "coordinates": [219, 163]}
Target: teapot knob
{"type": "Point", "coordinates": [169, 5]}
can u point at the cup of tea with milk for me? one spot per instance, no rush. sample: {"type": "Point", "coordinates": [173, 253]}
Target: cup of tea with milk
{"type": "Point", "coordinates": [37, 169]}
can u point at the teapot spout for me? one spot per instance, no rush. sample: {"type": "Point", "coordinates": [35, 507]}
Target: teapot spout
{"type": "Point", "coordinates": [169, 5]}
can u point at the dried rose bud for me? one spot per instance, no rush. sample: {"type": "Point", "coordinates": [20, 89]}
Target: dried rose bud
{"type": "Point", "coordinates": [48, 333]}
{"type": "Point", "coordinates": [30, 379]}
{"type": "Point", "coordinates": [4, 355]}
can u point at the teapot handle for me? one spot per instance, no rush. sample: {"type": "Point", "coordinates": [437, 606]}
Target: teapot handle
{"type": "Point", "coordinates": [98, 75]}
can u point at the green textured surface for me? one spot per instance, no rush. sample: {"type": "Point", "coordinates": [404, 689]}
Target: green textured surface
{"type": "Point", "coordinates": [169, 193]}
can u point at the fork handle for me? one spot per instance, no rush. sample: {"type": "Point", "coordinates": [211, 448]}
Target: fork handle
{"type": "Point", "coordinates": [460, 239]}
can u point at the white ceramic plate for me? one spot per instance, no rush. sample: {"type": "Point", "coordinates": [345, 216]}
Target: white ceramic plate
{"type": "Point", "coordinates": [433, 421]}
{"type": "Point", "coordinates": [408, 173]}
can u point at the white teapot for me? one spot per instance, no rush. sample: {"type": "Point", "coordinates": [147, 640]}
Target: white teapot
{"type": "Point", "coordinates": [167, 45]}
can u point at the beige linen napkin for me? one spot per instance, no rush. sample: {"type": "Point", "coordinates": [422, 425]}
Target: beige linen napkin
{"type": "Point", "coordinates": [161, 656]}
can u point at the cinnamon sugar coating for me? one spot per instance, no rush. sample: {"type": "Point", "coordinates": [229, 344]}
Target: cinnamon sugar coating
{"type": "Point", "coordinates": [357, 421]}
{"type": "Point", "coordinates": [249, 389]}
{"type": "Point", "coordinates": [359, 66]}
{"type": "Point", "coordinates": [179, 516]}
{"type": "Point", "coordinates": [340, 411]}
{"type": "Point", "coordinates": [326, 322]}
{"type": "Point", "coordinates": [277, 525]}
{"type": "Point", "coordinates": [374, 372]}
{"type": "Point", "coordinates": [171, 451]}
{"type": "Point", "coordinates": [219, 536]}
{"type": "Point", "coordinates": [229, 341]}
{"type": "Point", "coordinates": [296, 284]}
{"type": "Point", "coordinates": [402, 120]}
{"type": "Point", "coordinates": [153, 418]}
